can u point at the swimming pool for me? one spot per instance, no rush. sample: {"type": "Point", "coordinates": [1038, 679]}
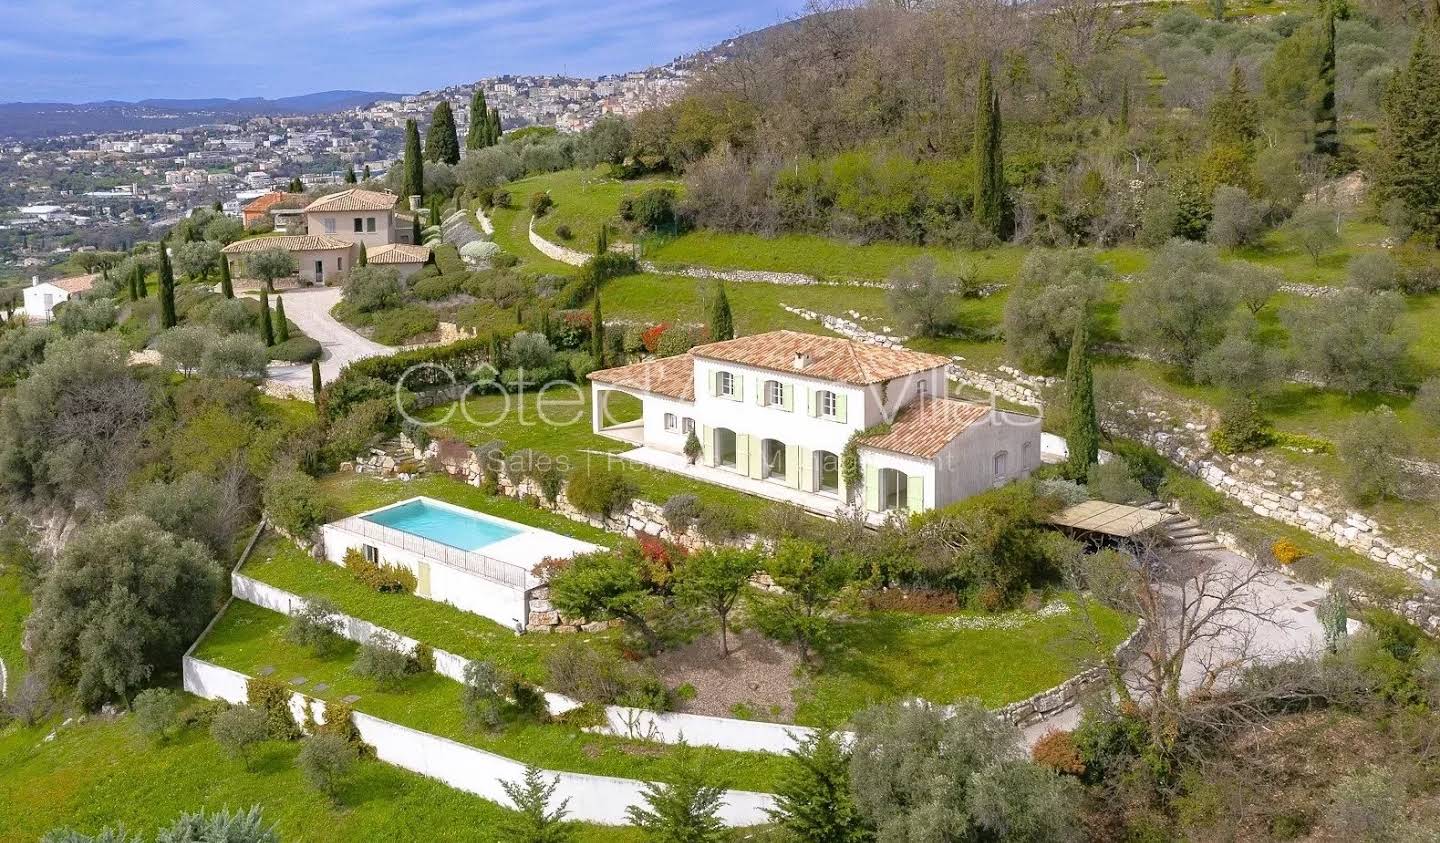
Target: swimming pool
{"type": "Point", "coordinates": [442, 524]}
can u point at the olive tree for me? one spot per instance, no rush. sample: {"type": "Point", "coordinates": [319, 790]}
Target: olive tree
{"type": "Point", "coordinates": [1351, 341]}
{"type": "Point", "coordinates": [270, 264]}
{"type": "Point", "coordinates": [1051, 296]}
{"type": "Point", "coordinates": [1179, 307]}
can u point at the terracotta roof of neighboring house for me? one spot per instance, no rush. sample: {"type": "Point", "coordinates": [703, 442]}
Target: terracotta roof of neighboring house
{"type": "Point", "coordinates": [353, 199]}
{"type": "Point", "coordinates": [261, 204]}
{"type": "Point", "coordinates": [673, 377]}
{"type": "Point", "coordinates": [288, 242]}
{"type": "Point", "coordinates": [290, 203]}
{"type": "Point", "coordinates": [925, 426]}
{"type": "Point", "coordinates": [397, 253]}
{"type": "Point", "coordinates": [830, 358]}
{"type": "Point", "coordinates": [76, 283]}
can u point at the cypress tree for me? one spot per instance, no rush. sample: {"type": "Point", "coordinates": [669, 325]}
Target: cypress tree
{"type": "Point", "coordinates": [813, 801]}
{"type": "Point", "coordinates": [722, 323]}
{"type": "Point", "coordinates": [1409, 142]}
{"type": "Point", "coordinates": [296, 186]}
{"type": "Point", "coordinates": [141, 287]}
{"type": "Point", "coordinates": [412, 167]}
{"type": "Point", "coordinates": [1125, 107]}
{"type": "Point", "coordinates": [1082, 437]}
{"type": "Point", "coordinates": [364, 259]}
{"type": "Point", "coordinates": [495, 353]}
{"type": "Point", "coordinates": [227, 287]}
{"type": "Point", "coordinates": [495, 127]}
{"type": "Point", "coordinates": [419, 231]}
{"type": "Point", "coordinates": [597, 332]}
{"type": "Point", "coordinates": [477, 136]}
{"type": "Point", "coordinates": [134, 294]}
{"type": "Point", "coordinates": [267, 330]}
{"type": "Point", "coordinates": [441, 142]}
{"type": "Point", "coordinates": [349, 173]}
{"type": "Point", "coordinates": [282, 328]}
{"type": "Point", "coordinates": [1327, 124]}
{"type": "Point", "coordinates": [602, 240]}
{"type": "Point", "coordinates": [1234, 120]}
{"type": "Point", "coordinates": [315, 384]}
{"type": "Point", "coordinates": [989, 169]}
{"type": "Point", "coordinates": [365, 174]}
{"type": "Point", "coordinates": [168, 319]}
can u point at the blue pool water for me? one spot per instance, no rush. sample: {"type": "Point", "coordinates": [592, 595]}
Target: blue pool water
{"type": "Point", "coordinates": [441, 524]}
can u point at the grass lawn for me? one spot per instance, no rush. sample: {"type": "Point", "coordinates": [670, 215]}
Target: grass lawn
{"type": "Point", "coordinates": [280, 563]}
{"type": "Point", "coordinates": [101, 772]}
{"type": "Point", "coordinates": [248, 637]}
{"type": "Point", "coordinates": [583, 200]}
{"type": "Point", "coordinates": [557, 423]}
{"type": "Point", "coordinates": [14, 608]}
{"type": "Point", "coordinates": [512, 233]}
{"type": "Point", "coordinates": [348, 494]}
{"type": "Point", "coordinates": [890, 656]}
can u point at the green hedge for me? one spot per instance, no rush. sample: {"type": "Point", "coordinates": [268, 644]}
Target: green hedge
{"type": "Point", "coordinates": [458, 357]}
{"type": "Point", "coordinates": [301, 349]}
{"type": "Point", "coordinates": [447, 259]}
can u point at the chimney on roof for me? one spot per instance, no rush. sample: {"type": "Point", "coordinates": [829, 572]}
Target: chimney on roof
{"type": "Point", "coordinates": [34, 280]}
{"type": "Point", "coordinates": [801, 361]}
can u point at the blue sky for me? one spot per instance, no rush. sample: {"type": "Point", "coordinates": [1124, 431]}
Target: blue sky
{"type": "Point", "coordinates": [73, 51]}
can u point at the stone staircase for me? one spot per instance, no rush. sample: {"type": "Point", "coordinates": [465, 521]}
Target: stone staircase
{"type": "Point", "coordinates": [1184, 533]}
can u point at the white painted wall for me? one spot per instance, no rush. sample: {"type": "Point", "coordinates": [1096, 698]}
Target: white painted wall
{"type": "Point", "coordinates": [596, 799]}
{"type": "Point", "coordinates": [966, 466]}
{"type": "Point", "coordinates": [341, 224]}
{"type": "Point", "coordinates": [35, 301]}
{"type": "Point", "coordinates": [745, 414]}
{"type": "Point", "coordinates": [463, 590]}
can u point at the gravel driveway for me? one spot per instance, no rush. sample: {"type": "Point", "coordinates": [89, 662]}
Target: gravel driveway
{"type": "Point", "coordinates": [309, 308]}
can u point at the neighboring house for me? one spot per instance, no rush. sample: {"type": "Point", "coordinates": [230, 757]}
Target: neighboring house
{"type": "Point", "coordinates": [324, 235]}
{"type": "Point", "coordinates": [42, 297]}
{"type": "Point", "coordinates": [782, 407]}
{"type": "Point", "coordinates": [259, 208]}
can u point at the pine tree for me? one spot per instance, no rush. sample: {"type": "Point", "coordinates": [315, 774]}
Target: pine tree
{"type": "Point", "coordinates": [1234, 119]}
{"type": "Point", "coordinates": [1327, 124]}
{"type": "Point", "coordinates": [722, 322]}
{"type": "Point", "coordinates": [296, 186]}
{"type": "Point", "coordinates": [282, 328]}
{"type": "Point", "coordinates": [477, 136]}
{"type": "Point", "coordinates": [1409, 161]}
{"type": "Point", "coordinates": [227, 287]}
{"type": "Point", "coordinates": [412, 167]}
{"type": "Point", "coordinates": [496, 129]}
{"type": "Point", "coordinates": [364, 259]}
{"type": "Point", "coordinates": [533, 821]}
{"type": "Point", "coordinates": [813, 802]}
{"type": "Point", "coordinates": [168, 319]}
{"type": "Point", "coordinates": [685, 808]}
{"type": "Point", "coordinates": [989, 169]}
{"type": "Point", "coordinates": [315, 385]}
{"type": "Point", "coordinates": [349, 173]}
{"type": "Point", "coordinates": [597, 332]}
{"type": "Point", "coordinates": [267, 329]}
{"type": "Point", "coordinates": [1082, 436]}
{"type": "Point", "coordinates": [442, 145]}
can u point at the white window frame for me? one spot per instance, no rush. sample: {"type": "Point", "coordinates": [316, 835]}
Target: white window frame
{"type": "Point", "coordinates": [687, 425]}
{"type": "Point", "coordinates": [827, 403]}
{"type": "Point", "coordinates": [1000, 464]}
{"type": "Point", "coordinates": [725, 384]}
{"type": "Point", "coordinates": [359, 225]}
{"type": "Point", "coordinates": [369, 225]}
{"type": "Point", "coordinates": [670, 422]}
{"type": "Point", "coordinates": [922, 389]}
{"type": "Point", "coordinates": [329, 223]}
{"type": "Point", "coordinates": [774, 394]}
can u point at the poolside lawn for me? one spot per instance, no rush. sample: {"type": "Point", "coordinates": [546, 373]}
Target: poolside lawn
{"type": "Point", "coordinates": [248, 637]}
{"type": "Point", "coordinates": [891, 656]}
{"type": "Point", "coordinates": [278, 562]}
{"type": "Point", "coordinates": [100, 772]}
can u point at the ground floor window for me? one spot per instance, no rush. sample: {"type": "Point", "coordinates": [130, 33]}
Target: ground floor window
{"type": "Point", "coordinates": [725, 447]}
{"type": "Point", "coordinates": [772, 451]}
{"type": "Point", "coordinates": [687, 425]}
{"type": "Point", "coordinates": [894, 489]}
{"type": "Point", "coordinates": [827, 472]}
{"type": "Point", "coordinates": [670, 423]}
{"type": "Point", "coordinates": [372, 553]}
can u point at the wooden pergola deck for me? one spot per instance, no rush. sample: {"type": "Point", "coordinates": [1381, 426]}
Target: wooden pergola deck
{"type": "Point", "coordinates": [1108, 519]}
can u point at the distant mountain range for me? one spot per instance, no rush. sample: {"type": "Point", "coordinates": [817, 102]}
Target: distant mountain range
{"type": "Point", "coordinates": [40, 119]}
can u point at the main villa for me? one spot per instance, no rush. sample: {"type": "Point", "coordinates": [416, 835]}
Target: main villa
{"type": "Point", "coordinates": [326, 240]}
{"type": "Point", "coordinates": [780, 408]}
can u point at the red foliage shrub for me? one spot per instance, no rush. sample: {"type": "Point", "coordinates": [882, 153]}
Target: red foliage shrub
{"type": "Point", "coordinates": [1058, 751]}
{"type": "Point", "coordinates": [920, 601]}
{"type": "Point", "coordinates": [650, 337]}
{"type": "Point", "coordinates": [547, 568]}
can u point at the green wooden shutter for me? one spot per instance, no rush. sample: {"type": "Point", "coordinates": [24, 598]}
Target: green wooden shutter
{"type": "Point", "coordinates": [739, 389]}
{"type": "Point", "coordinates": [742, 453]}
{"type": "Point", "coordinates": [792, 466]}
{"type": "Point", "coordinates": [840, 407]}
{"type": "Point", "coordinates": [714, 378]}
{"type": "Point", "coordinates": [760, 391]}
{"type": "Point", "coordinates": [915, 490]}
{"type": "Point", "coordinates": [787, 397]}
{"type": "Point", "coordinates": [806, 459]}
{"type": "Point", "coordinates": [812, 400]}
{"type": "Point", "coordinates": [872, 488]}
{"type": "Point", "coordinates": [707, 445]}
{"type": "Point", "coordinates": [757, 457]}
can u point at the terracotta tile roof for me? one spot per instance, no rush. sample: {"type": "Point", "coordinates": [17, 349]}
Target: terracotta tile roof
{"type": "Point", "coordinates": [76, 283]}
{"type": "Point", "coordinates": [673, 377]}
{"type": "Point", "coordinates": [288, 242]}
{"type": "Point", "coordinates": [353, 199]}
{"type": "Point", "coordinates": [397, 253]}
{"type": "Point", "coordinates": [261, 204]}
{"type": "Point", "coordinates": [925, 426]}
{"type": "Point", "coordinates": [830, 358]}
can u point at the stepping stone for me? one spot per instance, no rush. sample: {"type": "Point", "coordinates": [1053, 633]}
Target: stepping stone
{"type": "Point", "coordinates": [1289, 582]}
{"type": "Point", "coordinates": [266, 670]}
{"type": "Point", "coordinates": [1312, 602]}
{"type": "Point", "coordinates": [1300, 609]}
{"type": "Point", "coordinates": [350, 699]}
{"type": "Point", "coordinates": [322, 686]}
{"type": "Point", "coordinates": [299, 680]}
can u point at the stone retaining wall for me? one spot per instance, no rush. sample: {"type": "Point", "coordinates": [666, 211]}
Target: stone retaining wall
{"type": "Point", "coordinates": [1047, 704]}
{"type": "Point", "coordinates": [555, 251]}
{"type": "Point", "coordinates": [483, 219]}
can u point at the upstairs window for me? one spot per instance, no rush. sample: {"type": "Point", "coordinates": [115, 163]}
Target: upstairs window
{"type": "Point", "coordinates": [774, 393]}
{"type": "Point", "coordinates": [687, 425]}
{"type": "Point", "coordinates": [827, 404]}
{"type": "Point", "coordinates": [670, 423]}
{"type": "Point", "coordinates": [725, 384]}
{"type": "Point", "coordinates": [359, 225]}
{"type": "Point", "coordinates": [922, 389]}
{"type": "Point", "coordinates": [329, 225]}
{"type": "Point", "coordinates": [370, 224]}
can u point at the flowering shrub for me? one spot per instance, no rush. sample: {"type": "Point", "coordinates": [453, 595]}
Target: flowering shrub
{"type": "Point", "coordinates": [1286, 552]}
{"type": "Point", "coordinates": [650, 337]}
{"type": "Point", "coordinates": [1058, 751]}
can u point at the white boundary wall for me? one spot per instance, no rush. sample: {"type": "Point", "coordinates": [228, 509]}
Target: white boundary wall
{"type": "Point", "coordinates": [555, 251]}
{"type": "Point", "coordinates": [596, 799]}
{"type": "Point", "coordinates": [636, 723]}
